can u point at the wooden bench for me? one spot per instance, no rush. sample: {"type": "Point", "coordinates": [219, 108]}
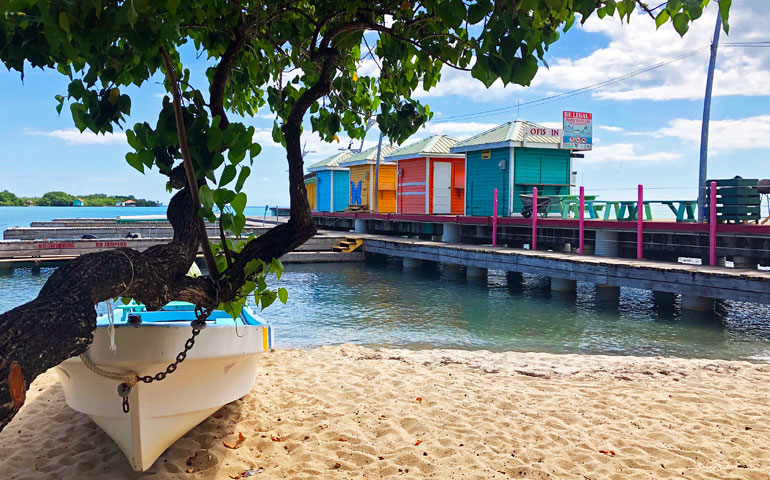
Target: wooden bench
{"type": "Point", "coordinates": [738, 200]}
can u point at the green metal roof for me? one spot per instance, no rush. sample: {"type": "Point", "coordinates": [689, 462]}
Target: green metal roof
{"type": "Point", "coordinates": [330, 162]}
{"type": "Point", "coordinates": [435, 145]}
{"type": "Point", "coordinates": [368, 156]}
{"type": "Point", "coordinates": [504, 135]}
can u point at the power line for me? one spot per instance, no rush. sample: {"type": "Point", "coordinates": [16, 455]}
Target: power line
{"type": "Point", "coordinates": [578, 91]}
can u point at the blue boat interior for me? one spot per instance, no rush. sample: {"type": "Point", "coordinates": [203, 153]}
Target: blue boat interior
{"type": "Point", "coordinates": [181, 313]}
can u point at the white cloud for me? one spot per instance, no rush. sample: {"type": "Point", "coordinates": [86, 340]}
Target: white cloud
{"type": "Point", "coordinates": [72, 136]}
{"type": "Point", "coordinates": [730, 134]}
{"type": "Point", "coordinates": [626, 153]}
{"type": "Point", "coordinates": [635, 45]}
{"type": "Point", "coordinates": [609, 128]}
{"type": "Point", "coordinates": [458, 130]}
{"type": "Point", "coordinates": [316, 148]}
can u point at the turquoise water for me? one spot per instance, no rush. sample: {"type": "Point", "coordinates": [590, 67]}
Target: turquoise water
{"type": "Point", "coordinates": [381, 304]}
{"type": "Point", "coordinates": [378, 303]}
{"type": "Point", "coordinates": [22, 216]}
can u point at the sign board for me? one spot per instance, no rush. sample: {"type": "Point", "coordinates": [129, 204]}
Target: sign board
{"type": "Point", "coordinates": [578, 127]}
{"type": "Point", "coordinates": [542, 132]}
{"type": "Point", "coordinates": [486, 154]}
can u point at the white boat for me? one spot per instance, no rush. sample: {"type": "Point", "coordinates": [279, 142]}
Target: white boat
{"type": "Point", "coordinates": [220, 368]}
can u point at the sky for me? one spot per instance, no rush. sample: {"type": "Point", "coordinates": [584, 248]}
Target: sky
{"type": "Point", "coordinates": [646, 128]}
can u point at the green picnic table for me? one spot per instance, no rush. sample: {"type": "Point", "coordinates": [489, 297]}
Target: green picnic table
{"type": "Point", "coordinates": [684, 210]}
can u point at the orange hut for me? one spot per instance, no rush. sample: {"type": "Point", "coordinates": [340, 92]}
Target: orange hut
{"type": "Point", "coordinates": [430, 179]}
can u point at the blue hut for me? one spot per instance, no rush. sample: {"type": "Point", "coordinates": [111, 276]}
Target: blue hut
{"type": "Point", "coordinates": [332, 183]}
{"type": "Point", "coordinates": [513, 158]}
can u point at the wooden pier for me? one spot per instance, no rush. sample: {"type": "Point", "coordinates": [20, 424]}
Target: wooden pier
{"type": "Point", "coordinates": [679, 278]}
{"type": "Point", "coordinates": [662, 240]}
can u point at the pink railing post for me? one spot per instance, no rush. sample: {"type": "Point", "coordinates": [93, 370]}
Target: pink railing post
{"type": "Point", "coordinates": [494, 220]}
{"type": "Point", "coordinates": [534, 218]}
{"type": "Point", "coordinates": [713, 224]}
{"type": "Point", "coordinates": [582, 218]}
{"type": "Point", "coordinates": [640, 224]}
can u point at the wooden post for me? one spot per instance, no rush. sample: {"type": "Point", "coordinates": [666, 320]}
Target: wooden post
{"type": "Point", "coordinates": [640, 224]}
{"type": "Point", "coordinates": [277, 221]}
{"type": "Point", "coordinates": [494, 220]}
{"type": "Point", "coordinates": [582, 218]}
{"type": "Point", "coordinates": [713, 224]}
{"type": "Point", "coordinates": [534, 218]}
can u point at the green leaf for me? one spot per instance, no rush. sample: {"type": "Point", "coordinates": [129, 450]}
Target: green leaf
{"type": "Point", "coordinates": [283, 295]}
{"type": "Point", "coordinates": [131, 14]}
{"type": "Point", "coordinates": [238, 224]}
{"type": "Point", "coordinates": [254, 150]}
{"type": "Point", "coordinates": [227, 175]}
{"type": "Point", "coordinates": [64, 23]}
{"type": "Point", "coordinates": [662, 18]}
{"type": "Point", "coordinates": [681, 23]}
{"type": "Point", "coordinates": [206, 197]}
{"type": "Point", "coordinates": [239, 202]}
{"type": "Point", "coordinates": [253, 266]}
{"type": "Point", "coordinates": [245, 172]}
{"type": "Point", "coordinates": [134, 160]}
{"type": "Point", "coordinates": [172, 5]}
{"type": "Point", "coordinates": [267, 298]}
{"type": "Point", "coordinates": [724, 12]}
{"type": "Point", "coordinates": [277, 267]}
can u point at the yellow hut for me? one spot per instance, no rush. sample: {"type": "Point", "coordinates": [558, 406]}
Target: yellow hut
{"type": "Point", "coordinates": [311, 180]}
{"type": "Point", "coordinates": [362, 171]}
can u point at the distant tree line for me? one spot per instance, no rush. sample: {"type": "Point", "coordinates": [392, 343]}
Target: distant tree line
{"type": "Point", "coordinates": [63, 199]}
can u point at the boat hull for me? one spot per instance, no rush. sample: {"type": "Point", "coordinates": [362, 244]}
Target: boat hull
{"type": "Point", "coordinates": [219, 369]}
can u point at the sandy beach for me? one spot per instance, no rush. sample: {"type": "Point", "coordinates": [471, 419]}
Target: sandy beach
{"type": "Point", "coordinates": [350, 412]}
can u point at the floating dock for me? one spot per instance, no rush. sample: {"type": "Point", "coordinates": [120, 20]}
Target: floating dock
{"type": "Point", "coordinates": [54, 252]}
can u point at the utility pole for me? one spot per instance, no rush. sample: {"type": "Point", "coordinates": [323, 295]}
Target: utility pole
{"type": "Point", "coordinates": [377, 175]}
{"type": "Point", "coordinates": [704, 134]}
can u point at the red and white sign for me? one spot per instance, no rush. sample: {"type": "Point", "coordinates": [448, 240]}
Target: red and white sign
{"type": "Point", "coordinates": [578, 130]}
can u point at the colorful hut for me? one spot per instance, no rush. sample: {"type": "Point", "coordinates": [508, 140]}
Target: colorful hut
{"type": "Point", "coordinates": [332, 190]}
{"type": "Point", "coordinates": [513, 158]}
{"type": "Point", "coordinates": [362, 169]}
{"type": "Point", "coordinates": [430, 179]}
{"type": "Point", "coordinates": [311, 180]}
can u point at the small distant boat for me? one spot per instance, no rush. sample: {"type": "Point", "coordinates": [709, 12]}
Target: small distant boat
{"type": "Point", "coordinates": [219, 368]}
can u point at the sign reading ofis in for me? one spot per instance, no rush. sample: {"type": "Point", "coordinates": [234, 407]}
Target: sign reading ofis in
{"type": "Point", "coordinates": [578, 128]}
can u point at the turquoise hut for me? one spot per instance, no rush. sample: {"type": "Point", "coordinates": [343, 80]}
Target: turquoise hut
{"type": "Point", "coordinates": [332, 183]}
{"type": "Point", "coordinates": [513, 158]}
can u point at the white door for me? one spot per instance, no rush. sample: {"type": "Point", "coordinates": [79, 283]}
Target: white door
{"type": "Point", "coordinates": [442, 187]}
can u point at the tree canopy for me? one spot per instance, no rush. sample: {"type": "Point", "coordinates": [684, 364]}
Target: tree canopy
{"type": "Point", "coordinates": [297, 59]}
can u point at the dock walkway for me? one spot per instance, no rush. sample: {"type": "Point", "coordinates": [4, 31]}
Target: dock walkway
{"type": "Point", "coordinates": [704, 281]}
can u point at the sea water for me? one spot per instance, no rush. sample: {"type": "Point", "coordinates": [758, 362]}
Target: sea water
{"type": "Point", "coordinates": [379, 303]}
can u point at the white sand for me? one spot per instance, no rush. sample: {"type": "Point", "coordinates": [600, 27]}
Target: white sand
{"type": "Point", "coordinates": [482, 416]}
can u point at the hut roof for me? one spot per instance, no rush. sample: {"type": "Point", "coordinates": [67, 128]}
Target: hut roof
{"type": "Point", "coordinates": [368, 156]}
{"type": "Point", "coordinates": [504, 136]}
{"type": "Point", "coordinates": [435, 145]}
{"type": "Point", "coordinates": [329, 162]}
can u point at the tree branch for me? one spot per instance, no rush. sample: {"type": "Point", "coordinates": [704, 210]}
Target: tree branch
{"type": "Point", "coordinates": [192, 182]}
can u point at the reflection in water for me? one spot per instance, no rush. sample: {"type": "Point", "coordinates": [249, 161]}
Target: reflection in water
{"type": "Point", "coordinates": [378, 303]}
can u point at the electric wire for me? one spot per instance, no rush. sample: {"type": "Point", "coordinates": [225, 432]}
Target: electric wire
{"type": "Point", "coordinates": [578, 91]}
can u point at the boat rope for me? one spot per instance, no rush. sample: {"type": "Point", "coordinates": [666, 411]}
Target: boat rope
{"type": "Point", "coordinates": [111, 327]}
{"type": "Point", "coordinates": [129, 378]}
